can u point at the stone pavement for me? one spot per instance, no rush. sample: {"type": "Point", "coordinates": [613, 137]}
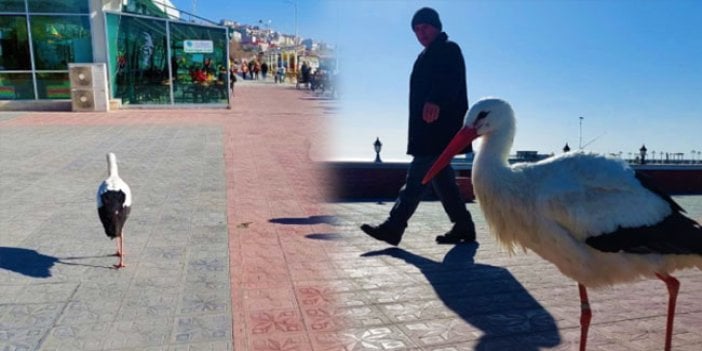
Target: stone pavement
{"type": "Point", "coordinates": [57, 288]}
{"type": "Point", "coordinates": [232, 245]}
{"type": "Point", "coordinates": [478, 297]}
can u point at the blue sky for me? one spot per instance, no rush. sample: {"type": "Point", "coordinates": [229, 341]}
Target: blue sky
{"type": "Point", "coordinates": [631, 69]}
{"type": "Point", "coordinates": [281, 13]}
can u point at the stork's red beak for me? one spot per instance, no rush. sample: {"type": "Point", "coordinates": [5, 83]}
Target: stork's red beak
{"type": "Point", "coordinates": [459, 142]}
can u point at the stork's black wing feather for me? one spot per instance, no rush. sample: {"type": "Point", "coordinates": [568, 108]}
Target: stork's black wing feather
{"type": "Point", "coordinates": [675, 234]}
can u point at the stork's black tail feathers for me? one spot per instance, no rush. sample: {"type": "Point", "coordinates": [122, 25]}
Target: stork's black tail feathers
{"type": "Point", "coordinates": [676, 234]}
{"type": "Point", "coordinates": [113, 214]}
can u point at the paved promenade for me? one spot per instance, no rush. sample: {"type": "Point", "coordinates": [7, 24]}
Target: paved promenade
{"type": "Point", "coordinates": [232, 245]}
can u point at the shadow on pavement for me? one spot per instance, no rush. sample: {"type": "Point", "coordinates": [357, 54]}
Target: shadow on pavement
{"type": "Point", "coordinates": [487, 297]}
{"type": "Point", "coordinates": [325, 236]}
{"type": "Point", "coordinates": [307, 221]}
{"type": "Point", "coordinates": [26, 262]}
{"type": "Point", "coordinates": [34, 264]}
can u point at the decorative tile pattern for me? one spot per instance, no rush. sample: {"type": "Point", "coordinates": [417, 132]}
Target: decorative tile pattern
{"type": "Point", "coordinates": [29, 315]}
{"type": "Point", "coordinates": [281, 342]}
{"type": "Point", "coordinates": [198, 303]}
{"type": "Point", "coordinates": [382, 338]}
{"type": "Point", "coordinates": [333, 318]}
{"type": "Point", "coordinates": [272, 321]}
{"type": "Point", "coordinates": [78, 337]}
{"type": "Point", "coordinates": [124, 334]}
{"type": "Point", "coordinates": [203, 328]}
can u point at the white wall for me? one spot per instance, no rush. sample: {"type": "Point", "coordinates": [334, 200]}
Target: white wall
{"type": "Point", "coordinates": [97, 23]}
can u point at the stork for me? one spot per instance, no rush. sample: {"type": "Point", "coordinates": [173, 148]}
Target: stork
{"type": "Point", "coordinates": [114, 201]}
{"type": "Point", "coordinates": [597, 220]}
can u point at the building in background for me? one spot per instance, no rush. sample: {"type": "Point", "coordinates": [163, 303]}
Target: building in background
{"type": "Point", "coordinates": [154, 53]}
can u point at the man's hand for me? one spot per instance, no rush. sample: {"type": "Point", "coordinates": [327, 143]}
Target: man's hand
{"type": "Point", "coordinates": [431, 112]}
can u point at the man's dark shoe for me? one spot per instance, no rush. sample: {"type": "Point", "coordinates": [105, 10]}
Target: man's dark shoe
{"type": "Point", "coordinates": [383, 232]}
{"type": "Point", "coordinates": [457, 235]}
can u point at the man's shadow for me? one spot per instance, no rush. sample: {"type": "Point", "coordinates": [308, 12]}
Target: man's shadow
{"type": "Point", "coordinates": [311, 220]}
{"type": "Point", "coordinates": [487, 297]}
{"type": "Point", "coordinates": [34, 264]}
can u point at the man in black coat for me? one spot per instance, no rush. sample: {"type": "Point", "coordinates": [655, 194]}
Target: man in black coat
{"type": "Point", "coordinates": [437, 105]}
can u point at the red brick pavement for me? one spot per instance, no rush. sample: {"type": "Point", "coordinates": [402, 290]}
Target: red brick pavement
{"type": "Point", "coordinates": [275, 198]}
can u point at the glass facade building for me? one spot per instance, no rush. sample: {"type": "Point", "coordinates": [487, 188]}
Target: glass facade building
{"type": "Point", "coordinates": [153, 58]}
{"type": "Point", "coordinates": [38, 38]}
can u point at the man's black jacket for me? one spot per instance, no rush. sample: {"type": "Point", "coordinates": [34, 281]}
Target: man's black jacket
{"type": "Point", "coordinates": [438, 76]}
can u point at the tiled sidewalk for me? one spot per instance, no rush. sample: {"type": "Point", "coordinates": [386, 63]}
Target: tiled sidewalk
{"type": "Point", "coordinates": [232, 245]}
{"type": "Point", "coordinates": [477, 297]}
{"type": "Point", "coordinates": [275, 203]}
{"type": "Point", "coordinates": [197, 176]}
{"type": "Point", "coordinates": [57, 288]}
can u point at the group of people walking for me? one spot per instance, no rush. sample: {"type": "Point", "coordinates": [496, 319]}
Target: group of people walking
{"type": "Point", "coordinates": [251, 69]}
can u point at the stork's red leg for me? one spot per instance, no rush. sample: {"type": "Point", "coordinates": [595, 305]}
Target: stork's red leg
{"type": "Point", "coordinates": [673, 287]}
{"type": "Point", "coordinates": [585, 316]}
{"type": "Point", "coordinates": [120, 249]}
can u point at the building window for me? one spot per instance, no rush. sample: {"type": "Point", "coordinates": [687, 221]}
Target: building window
{"type": "Point", "coordinates": [138, 59]}
{"type": "Point", "coordinates": [60, 40]}
{"type": "Point", "coordinates": [60, 33]}
{"type": "Point", "coordinates": [53, 85]}
{"type": "Point", "coordinates": [16, 86]}
{"type": "Point", "coordinates": [62, 6]}
{"type": "Point", "coordinates": [12, 6]}
{"type": "Point", "coordinates": [14, 43]}
{"type": "Point", "coordinates": [146, 8]}
{"type": "Point", "coordinates": [199, 64]}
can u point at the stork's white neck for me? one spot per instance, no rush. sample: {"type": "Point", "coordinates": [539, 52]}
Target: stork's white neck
{"type": "Point", "coordinates": [112, 165]}
{"type": "Point", "coordinates": [500, 190]}
{"type": "Point", "coordinates": [494, 150]}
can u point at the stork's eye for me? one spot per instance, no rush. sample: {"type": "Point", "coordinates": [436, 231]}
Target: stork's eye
{"type": "Point", "coordinates": [482, 115]}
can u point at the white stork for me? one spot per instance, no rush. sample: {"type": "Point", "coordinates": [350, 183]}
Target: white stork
{"type": "Point", "coordinates": [114, 200]}
{"type": "Point", "coordinates": [593, 217]}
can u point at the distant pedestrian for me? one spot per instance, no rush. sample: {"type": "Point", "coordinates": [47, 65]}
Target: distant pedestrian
{"type": "Point", "coordinates": [264, 70]}
{"type": "Point", "coordinates": [244, 69]}
{"type": "Point", "coordinates": [438, 101]}
{"type": "Point", "coordinates": [174, 67]}
{"type": "Point", "coordinates": [232, 80]}
{"type": "Point", "coordinates": [257, 68]}
{"type": "Point", "coordinates": [305, 70]}
{"type": "Point", "coordinates": [280, 74]}
{"type": "Point", "coordinates": [207, 66]}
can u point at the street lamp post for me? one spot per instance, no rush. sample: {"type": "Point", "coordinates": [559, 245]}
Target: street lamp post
{"type": "Point", "coordinates": [377, 145]}
{"type": "Point", "coordinates": [580, 143]}
{"type": "Point", "coordinates": [294, 3]}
